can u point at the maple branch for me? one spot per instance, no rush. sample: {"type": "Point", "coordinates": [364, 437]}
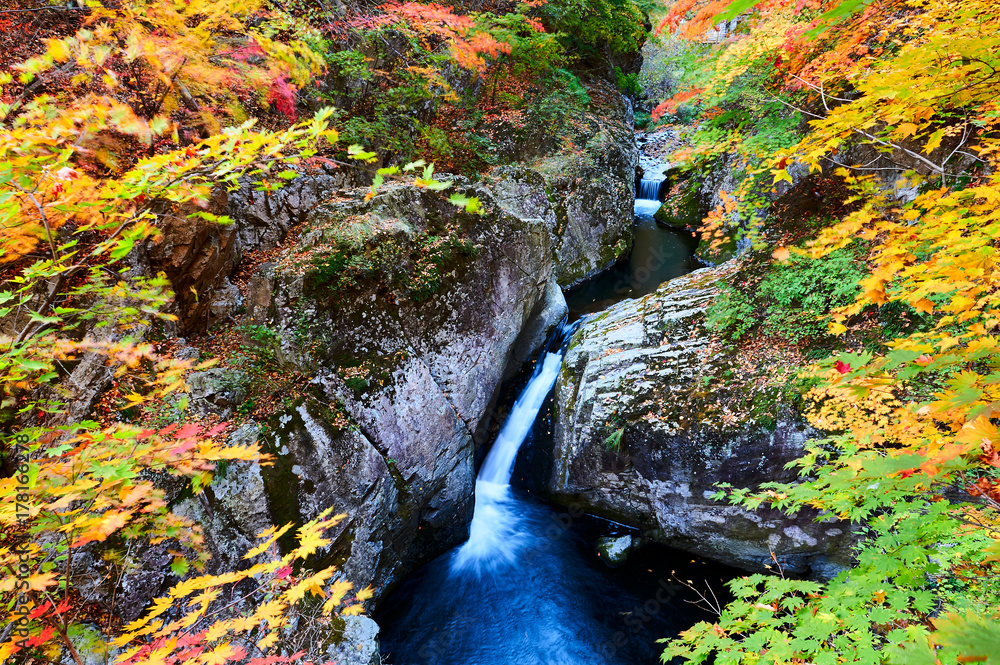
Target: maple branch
{"type": "Point", "coordinates": [60, 280]}
{"type": "Point", "coordinates": [823, 95]}
{"type": "Point", "coordinates": [917, 156]}
{"type": "Point", "coordinates": [715, 607]}
{"type": "Point", "coordinates": [45, 219]}
{"type": "Point", "coordinates": [961, 142]}
{"type": "Point", "coordinates": [896, 166]}
{"type": "Point", "coordinates": [796, 108]}
{"type": "Point", "coordinates": [63, 630]}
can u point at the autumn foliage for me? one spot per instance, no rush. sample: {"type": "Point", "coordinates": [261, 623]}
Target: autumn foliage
{"type": "Point", "coordinates": [910, 457]}
{"type": "Point", "coordinates": [124, 113]}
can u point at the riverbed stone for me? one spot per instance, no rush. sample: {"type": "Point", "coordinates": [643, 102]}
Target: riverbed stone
{"type": "Point", "coordinates": [614, 550]}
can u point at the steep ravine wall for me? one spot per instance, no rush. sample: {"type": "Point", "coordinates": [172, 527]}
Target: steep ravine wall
{"type": "Point", "coordinates": [405, 313]}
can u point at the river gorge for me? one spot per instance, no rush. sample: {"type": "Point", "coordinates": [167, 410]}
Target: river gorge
{"type": "Point", "coordinates": [529, 585]}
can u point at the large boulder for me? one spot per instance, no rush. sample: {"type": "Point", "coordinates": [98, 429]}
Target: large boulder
{"type": "Point", "coordinates": [645, 431]}
{"type": "Point", "coordinates": [586, 167]}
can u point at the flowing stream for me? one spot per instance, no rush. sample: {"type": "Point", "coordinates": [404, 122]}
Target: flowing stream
{"type": "Point", "coordinates": [527, 587]}
{"type": "Point", "coordinates": [658, 255]}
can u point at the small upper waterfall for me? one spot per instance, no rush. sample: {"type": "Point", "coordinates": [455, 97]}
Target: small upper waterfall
{"type": "Point", "coordinates": [647, 196]}
{"type": "Point", "coordinates": [649, 188]}
{"type": "Point", "coordinates": [494, 536]}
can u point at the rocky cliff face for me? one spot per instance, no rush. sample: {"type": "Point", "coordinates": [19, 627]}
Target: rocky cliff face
{"type": "Point", "coordinates": [593, 190]}
{"type": "Point", "coordinates": [405, 313]}
{"type": "Point", "coordinates": [641, 438]}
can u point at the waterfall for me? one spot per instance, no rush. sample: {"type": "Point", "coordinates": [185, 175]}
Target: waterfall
{"type": "Point", "coordinates": [649, 188]}
{"type": "Point", "coordinates": [647, 196]}
{"type": "Point", "coordinates": [494, 536]}
{"type": "Point", "coordinates": [526, 587]}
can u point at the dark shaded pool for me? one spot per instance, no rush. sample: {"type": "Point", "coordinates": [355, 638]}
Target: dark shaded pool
{"type": "Point", "coordinates": [557, 604]}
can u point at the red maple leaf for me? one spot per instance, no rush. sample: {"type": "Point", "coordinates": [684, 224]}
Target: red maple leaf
{"type": "Point", "coordinates": [842, 367]}
{"type": "Point", "coordinates": [41, 638]}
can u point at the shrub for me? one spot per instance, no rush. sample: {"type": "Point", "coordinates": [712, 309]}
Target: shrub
{"type": "Point", "coordinates": [628, 83]}
{"type": "Point", "coordinates": [588, 25]}
{"type": "Point", "coordinates": [792, 300]}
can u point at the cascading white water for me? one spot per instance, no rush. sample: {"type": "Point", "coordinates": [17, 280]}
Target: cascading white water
{"type": "Point", "coordinates": [494, 536]}
{"type": "Point", "coordinates": [647, 197]}
{"type": "Point", "coordinates": [649, 189]}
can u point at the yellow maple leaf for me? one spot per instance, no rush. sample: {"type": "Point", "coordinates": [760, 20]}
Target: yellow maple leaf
{"type": "Point", "coordinates": [313, 585]}
{"type": "Point", "coordinates": [337, 593]}
{"type": "Point", "coordinates": [41, 581]}
{"type": "Point", "coordinates": [934, 141]}
{"type": "Point", "coordinates": [220, 654]}
{"type": "Point", "coordinates": [275, 535]}
{"type": "Point", "coordinates": [267, 641]}
{"type": "Point", "coordinates": [782, 174]}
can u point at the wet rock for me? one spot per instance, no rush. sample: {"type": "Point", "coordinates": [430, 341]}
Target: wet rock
{"type": "Point", "coordinates": [406, 349]}
{"type": "Point", "coordinates": [614, 550]}
{"type": "Point", "coordinates": [187, 353]}
{"type": "Point", "coordinates": [225, 301]}
{"type": "Point", "coordinates": [585, 194]}
{"type": "Point", "coordinates": [148, 567]}
{"type": "Point", "coordinates": [593, 191]}
{"type": "Point", "coordinates": [549, 312]}
{"type": "Point", "coordinates": [639, 439]}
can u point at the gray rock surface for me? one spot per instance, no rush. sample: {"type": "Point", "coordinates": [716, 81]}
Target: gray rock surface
{"type": "Point", "coordinates": [217, 391]}
{"type": "Point", "coordinates": [400, 378]}
{"type": "Point", "coordinates": [359, 645]}
{"type": "Point", "coordinates": [594, 194]}
{"type": "Point", "coordinates": [640, 368]}
{"type": "Point", "coordinates": [263, 219]}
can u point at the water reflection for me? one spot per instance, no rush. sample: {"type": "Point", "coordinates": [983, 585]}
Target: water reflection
{"type": "Point", "coordinates": [658, 255]}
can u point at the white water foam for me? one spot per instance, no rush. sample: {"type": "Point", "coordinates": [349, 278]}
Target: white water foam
{"type": "Point", "coordinates": [494, 536]}
{"type": "Point", "coordinates": [646, 208]}
{"type": "Point", "coordinates": [647, 198]}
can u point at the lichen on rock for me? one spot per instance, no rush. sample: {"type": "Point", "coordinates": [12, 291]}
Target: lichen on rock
{"type": "Point", "coordinates": [649, 369]}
